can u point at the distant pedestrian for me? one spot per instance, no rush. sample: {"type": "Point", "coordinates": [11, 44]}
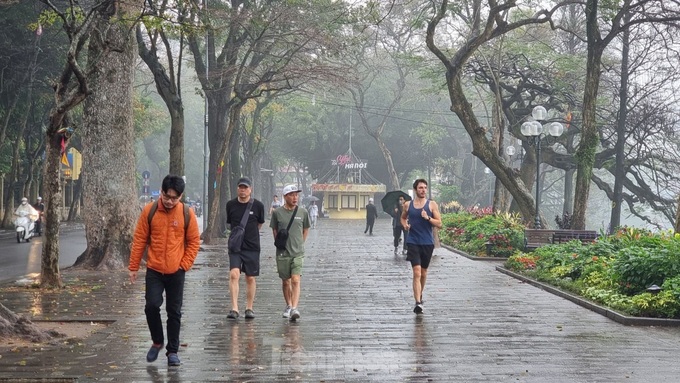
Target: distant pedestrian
{"type": "Point", "coordinates": [247, 260]}
{"type": "Point", "coordinates": [40, 207]}
{"type": "Point", "coordinates": [172, 247]}
{"type": "Point", "coordinates": [371, 215]}
{"type": "Point", "coordinates": [290, 258]}
{"type": "Point", "coordinates": [397, 228]}
{"type": "Point", "coordinates": [313, 213]}
{"type": "Point", "coordinates": [419, 217]}
{"type": "Point", "coordinates": [274, 205]}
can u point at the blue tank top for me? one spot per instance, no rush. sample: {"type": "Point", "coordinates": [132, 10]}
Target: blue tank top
{"type": "Point", "coordinates": [420, 232]}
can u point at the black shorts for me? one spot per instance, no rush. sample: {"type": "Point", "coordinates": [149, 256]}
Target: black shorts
{"type": "Point", "coordinates": [248, 261]}
{"type": "Point", "coordinates": [419, 255]}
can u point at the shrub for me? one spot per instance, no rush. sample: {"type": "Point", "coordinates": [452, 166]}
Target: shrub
{"type": "Point", "coordinates": [471, 230]}
{"type": "Point", "coordinates": [637, 267]}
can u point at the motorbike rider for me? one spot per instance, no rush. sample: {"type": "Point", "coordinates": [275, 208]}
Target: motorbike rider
{"type": "Point", "coordinates": [40, 207]}
{"type": "Point", "coordinates": [25, 209]}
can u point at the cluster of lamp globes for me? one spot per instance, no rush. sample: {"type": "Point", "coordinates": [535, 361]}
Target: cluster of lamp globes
{"type": "Point", "coordinates": [534, 128]}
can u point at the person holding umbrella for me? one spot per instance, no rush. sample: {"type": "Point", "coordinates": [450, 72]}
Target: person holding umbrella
{"type": "Point", "coordinates": [419, 217]}
{"type": "Point", "coordinates": [397, 228]}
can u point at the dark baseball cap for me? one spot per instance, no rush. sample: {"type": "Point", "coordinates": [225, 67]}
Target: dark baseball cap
{"type": "Point", "coordinates": [245, 181]}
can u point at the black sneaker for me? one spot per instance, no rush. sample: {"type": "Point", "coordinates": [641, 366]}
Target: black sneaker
{"type": "Point", "coordinates": [173, 359]}
{"type": "Point", "coordinates": [250, 314]}
{"type": "Point", "coordinates": [233, 314]}
{"type": "Point", "coordinates": [418, 309]}
{"type": "Point", "coordinates": [152, 355]}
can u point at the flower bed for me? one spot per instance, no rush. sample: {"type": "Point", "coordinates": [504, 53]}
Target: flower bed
{"type": "Point", "coordinates": [480, 232]}
{"type": "Point", "coordinates": [616, 271]}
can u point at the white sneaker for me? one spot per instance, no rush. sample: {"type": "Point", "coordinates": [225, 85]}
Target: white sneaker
{"type": "Point", "coordinates": [294, 315]}
{"type": "Point", "coordinates": [286, 312]}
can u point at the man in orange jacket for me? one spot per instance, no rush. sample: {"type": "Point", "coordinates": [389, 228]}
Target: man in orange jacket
{"type": "Point", "coordinates": [171, 253]}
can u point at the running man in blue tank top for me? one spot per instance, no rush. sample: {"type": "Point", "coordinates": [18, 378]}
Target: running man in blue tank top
{"type": "Point", "coordinates": [419, 216]}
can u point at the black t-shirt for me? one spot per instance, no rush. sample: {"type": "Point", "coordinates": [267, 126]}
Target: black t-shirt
{"type": "Point", "coordinates": [235, 210]}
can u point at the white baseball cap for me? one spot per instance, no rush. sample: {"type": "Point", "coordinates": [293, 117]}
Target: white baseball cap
{"type": "Point", "coordinates": [290, 189]}
{"type": "Point", "coordinates": [370, 200]}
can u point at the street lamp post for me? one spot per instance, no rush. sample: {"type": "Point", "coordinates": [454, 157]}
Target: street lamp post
{"type": "Point", "coordinates": [510, 151]}
{"type": "Point", "coordinates": [491, 186]}
{"type": "Point", "coordinates": [534, 131]}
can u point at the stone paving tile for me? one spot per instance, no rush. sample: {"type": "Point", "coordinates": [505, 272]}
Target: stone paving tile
{"type": "Point", "coordinates": [357, 325]}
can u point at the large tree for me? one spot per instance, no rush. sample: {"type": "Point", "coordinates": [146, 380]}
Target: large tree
{"type": "Point", "coordinates": [71, 88]}
{"type": "Point", "coordinates": [155, 41]}
{"type": "Point", "coordinates": [613, 19]}
{"type": "Point", "coordinates": [484, 25]}
{"type": "Point", "coordinates": [109, 195]}
{"type": "Point", "coordinates": [255, 47]}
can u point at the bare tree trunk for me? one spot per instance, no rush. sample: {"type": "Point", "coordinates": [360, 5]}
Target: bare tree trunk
{"type": "Point", "coordinates": [168, 87]}
{"type": "Point", "coordinates": [387, 155]}
{"type": "Point", "coordinates": [109, 180]}
{"type": "Point", "coordinates": [585, 154]}
{"type": "Point", "coordinates": [12, 324]}
{"type": "Point", "coordinates": [620, 170]}
{"type": "Point", "coordinates": [49, 269]}
{"type": "Point", "coordinates": [75, 203]}
{"type": "Point", "coordinates": [222, 157]}
{"type": "Point", "coordinates": [11, 190]}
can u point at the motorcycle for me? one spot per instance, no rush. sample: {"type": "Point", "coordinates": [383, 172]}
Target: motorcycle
{"type": "Point", "coordinates": [25, 227]}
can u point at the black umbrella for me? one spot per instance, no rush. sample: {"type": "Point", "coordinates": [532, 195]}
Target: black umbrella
{"type": "Point", "coordinates": [391, 199]}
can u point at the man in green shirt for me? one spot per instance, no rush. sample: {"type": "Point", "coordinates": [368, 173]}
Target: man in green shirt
{"type": "Point", "coordinates": [289, 260]}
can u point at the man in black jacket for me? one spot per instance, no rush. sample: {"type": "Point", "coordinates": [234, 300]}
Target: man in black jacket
{"type": "Point", "coordinates": [371, 215]}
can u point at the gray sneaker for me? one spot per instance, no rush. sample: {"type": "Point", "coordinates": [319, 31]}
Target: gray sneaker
{"type": "Point", "coordinates": [294, 315]}
{"type": "Point", "coordinates": [286, 312]}
{"type": "Point", "coordinates": [250, 314]}
{"type": "Point", "coordinates": [418, 309]}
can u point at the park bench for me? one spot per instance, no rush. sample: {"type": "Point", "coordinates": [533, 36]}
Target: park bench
{"type": "Point", "coordinates": [535, 238]}
{"type": "Point", "coordinates": [564, 235]}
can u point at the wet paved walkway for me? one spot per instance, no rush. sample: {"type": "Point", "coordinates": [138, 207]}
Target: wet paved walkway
{"type": "Point", "coordinates": [357, 325]}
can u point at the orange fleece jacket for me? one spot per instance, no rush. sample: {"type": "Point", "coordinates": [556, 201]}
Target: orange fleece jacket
{"type": "Point", "coordinates": [168, 250]}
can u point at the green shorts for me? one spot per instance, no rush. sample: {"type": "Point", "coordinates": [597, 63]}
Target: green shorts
{"type": "Point", "coordinates": [288, 266]}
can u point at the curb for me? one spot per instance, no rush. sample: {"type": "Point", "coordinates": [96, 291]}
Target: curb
{"type": "Point", "coordinates": [606, 312]}
{"type": "Point", "coordinates": [472, 257]}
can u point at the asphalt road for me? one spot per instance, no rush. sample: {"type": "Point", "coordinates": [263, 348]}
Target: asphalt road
{"type": "Point", "coordinates": [18, 260]}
